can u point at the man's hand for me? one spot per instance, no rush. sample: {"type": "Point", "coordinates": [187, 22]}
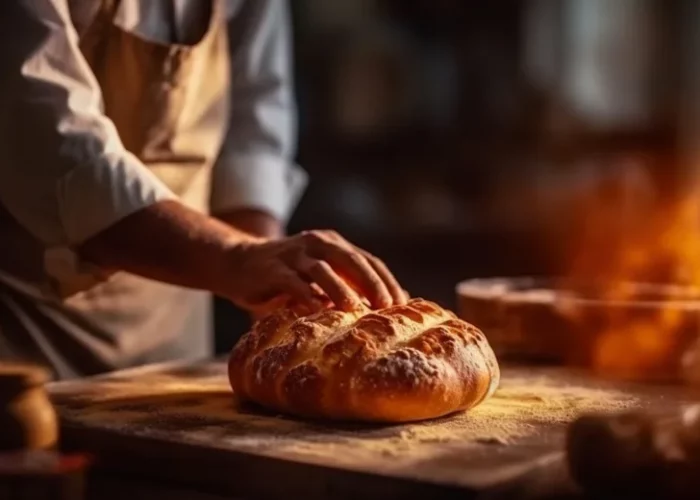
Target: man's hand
{"type": "Point", "coordinates": [303, 265]}
{"type": "Point", "coordinates": [172, 243]}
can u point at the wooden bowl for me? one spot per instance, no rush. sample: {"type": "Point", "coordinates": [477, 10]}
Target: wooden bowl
{"type": "Point", "coordinates": [642, 336]}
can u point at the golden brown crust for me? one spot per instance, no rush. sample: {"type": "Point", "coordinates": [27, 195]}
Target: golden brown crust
{"type": "Point", "coordinates": [398, 364]}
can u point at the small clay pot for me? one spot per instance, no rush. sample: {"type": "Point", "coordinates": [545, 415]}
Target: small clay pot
{"type": "Point", "coordinates": [28, 420]}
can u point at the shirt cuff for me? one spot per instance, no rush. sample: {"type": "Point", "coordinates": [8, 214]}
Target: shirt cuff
{"type": "Point", "coordinates": [263, 182]}
{"type": "Point", "coordinates": [91, 199]}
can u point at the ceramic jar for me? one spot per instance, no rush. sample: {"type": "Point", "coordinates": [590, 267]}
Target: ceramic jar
{"type": "Point", "coordinates": [28, 420]}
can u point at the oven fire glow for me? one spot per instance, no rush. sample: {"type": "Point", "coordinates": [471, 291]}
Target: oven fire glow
{"type": "Point", "coordinates": [646, 275]}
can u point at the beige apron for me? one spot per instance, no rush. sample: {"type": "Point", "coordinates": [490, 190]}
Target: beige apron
{"type": "Point", "coordinates": [169, 103]}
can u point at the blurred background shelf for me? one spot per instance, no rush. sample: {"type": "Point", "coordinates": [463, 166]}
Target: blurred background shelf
{"type": "Point", "coordinates": [461, 139]}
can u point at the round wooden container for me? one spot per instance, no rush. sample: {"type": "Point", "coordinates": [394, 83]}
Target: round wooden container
{"type": "Point", "coordinates": [28, 420]}
{"type": "Point", "coordinates": [540, 320]}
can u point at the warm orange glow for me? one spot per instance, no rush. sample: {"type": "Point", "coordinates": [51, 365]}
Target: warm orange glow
{"type": "Point", "coordinates": [661, 245]}
{"type": "Point", "coordinates": [634, 348]}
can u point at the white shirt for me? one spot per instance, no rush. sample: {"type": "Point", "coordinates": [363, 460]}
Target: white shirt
{"type": "Point", "coordinates": [64, 173]}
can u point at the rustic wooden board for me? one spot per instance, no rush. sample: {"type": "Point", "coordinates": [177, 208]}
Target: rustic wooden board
{"type": "Point", "coordinates": [181, 423]}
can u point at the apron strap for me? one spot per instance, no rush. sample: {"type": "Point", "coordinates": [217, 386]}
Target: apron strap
{"type": "Point", "coordinates": [108, 10]}
{"type": "Point", "coordinates": [93, 42]}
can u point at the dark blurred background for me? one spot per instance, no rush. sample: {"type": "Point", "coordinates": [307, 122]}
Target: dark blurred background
{"type": "Point", "coordinates": [465, 139]}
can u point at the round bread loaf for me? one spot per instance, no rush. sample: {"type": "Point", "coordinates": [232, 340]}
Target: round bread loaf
{"type": "Point", "coordinates": [399, 364]}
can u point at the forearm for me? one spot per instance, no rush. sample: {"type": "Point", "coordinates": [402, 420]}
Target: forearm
{"type": "Point", "coordinates": [253, 221]}
{"type": "Point", "coordinates": [168, 242]}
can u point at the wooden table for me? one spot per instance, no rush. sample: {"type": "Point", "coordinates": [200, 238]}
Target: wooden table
{"type": "Point", "coordinates": [179, 427]}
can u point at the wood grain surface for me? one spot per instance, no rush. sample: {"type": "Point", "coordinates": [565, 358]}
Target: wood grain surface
{"type": "Point", "coordinates": [182, 424]}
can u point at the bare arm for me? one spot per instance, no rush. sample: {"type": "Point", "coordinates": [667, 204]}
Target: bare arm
{"type": "Point", "coordinates": [66, 177]}
{"type": "Point", "coordinates": [254, 222]}
{"type": "Point", "coordinates": [168, 242]}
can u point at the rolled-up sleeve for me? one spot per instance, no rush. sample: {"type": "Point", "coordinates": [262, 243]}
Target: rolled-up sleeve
{"type": "Point", "coordinates": [255, 168]}
{"type": "Point", "coordinates": [64, 173]}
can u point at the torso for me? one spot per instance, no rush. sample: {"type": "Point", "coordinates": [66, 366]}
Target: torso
{"type": "Point", "coordinates": [169, 102]}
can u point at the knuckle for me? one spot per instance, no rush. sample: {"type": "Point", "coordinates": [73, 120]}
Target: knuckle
{"type": "Point", "coordinates": [313, 237]}
{"type": "Point", "coordinates": [368, 255]}
{"type": "Point", "coordinates": [320, 266]}
{"type": "Point", "coordinates": [376, 260]}
{"type": "Point", "coordinates": [326, 235]}
{"type": "Point", "coordinates": [358, 260]}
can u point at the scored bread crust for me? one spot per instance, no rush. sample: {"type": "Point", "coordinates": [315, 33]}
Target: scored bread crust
{"type": "Point", "coordinates": [403, 363]}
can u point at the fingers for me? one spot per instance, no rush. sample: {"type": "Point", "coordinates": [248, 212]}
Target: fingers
{"type": "Point", "coordinates": [367, 273]}
{"type": "Point", "coordinates": [355, 267]}
{"type": "Point", "coordinates": [314, 269]}
{"type": "Point", "coordinates": [290, 283]}
{"type": "Point", "coordinates": [321, 273]}
{"type": "Point", "coordinates": [398, 294]}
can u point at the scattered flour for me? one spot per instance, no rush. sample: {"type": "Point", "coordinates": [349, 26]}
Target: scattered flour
{"type": "Point", "coordinates": [202, 409]}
